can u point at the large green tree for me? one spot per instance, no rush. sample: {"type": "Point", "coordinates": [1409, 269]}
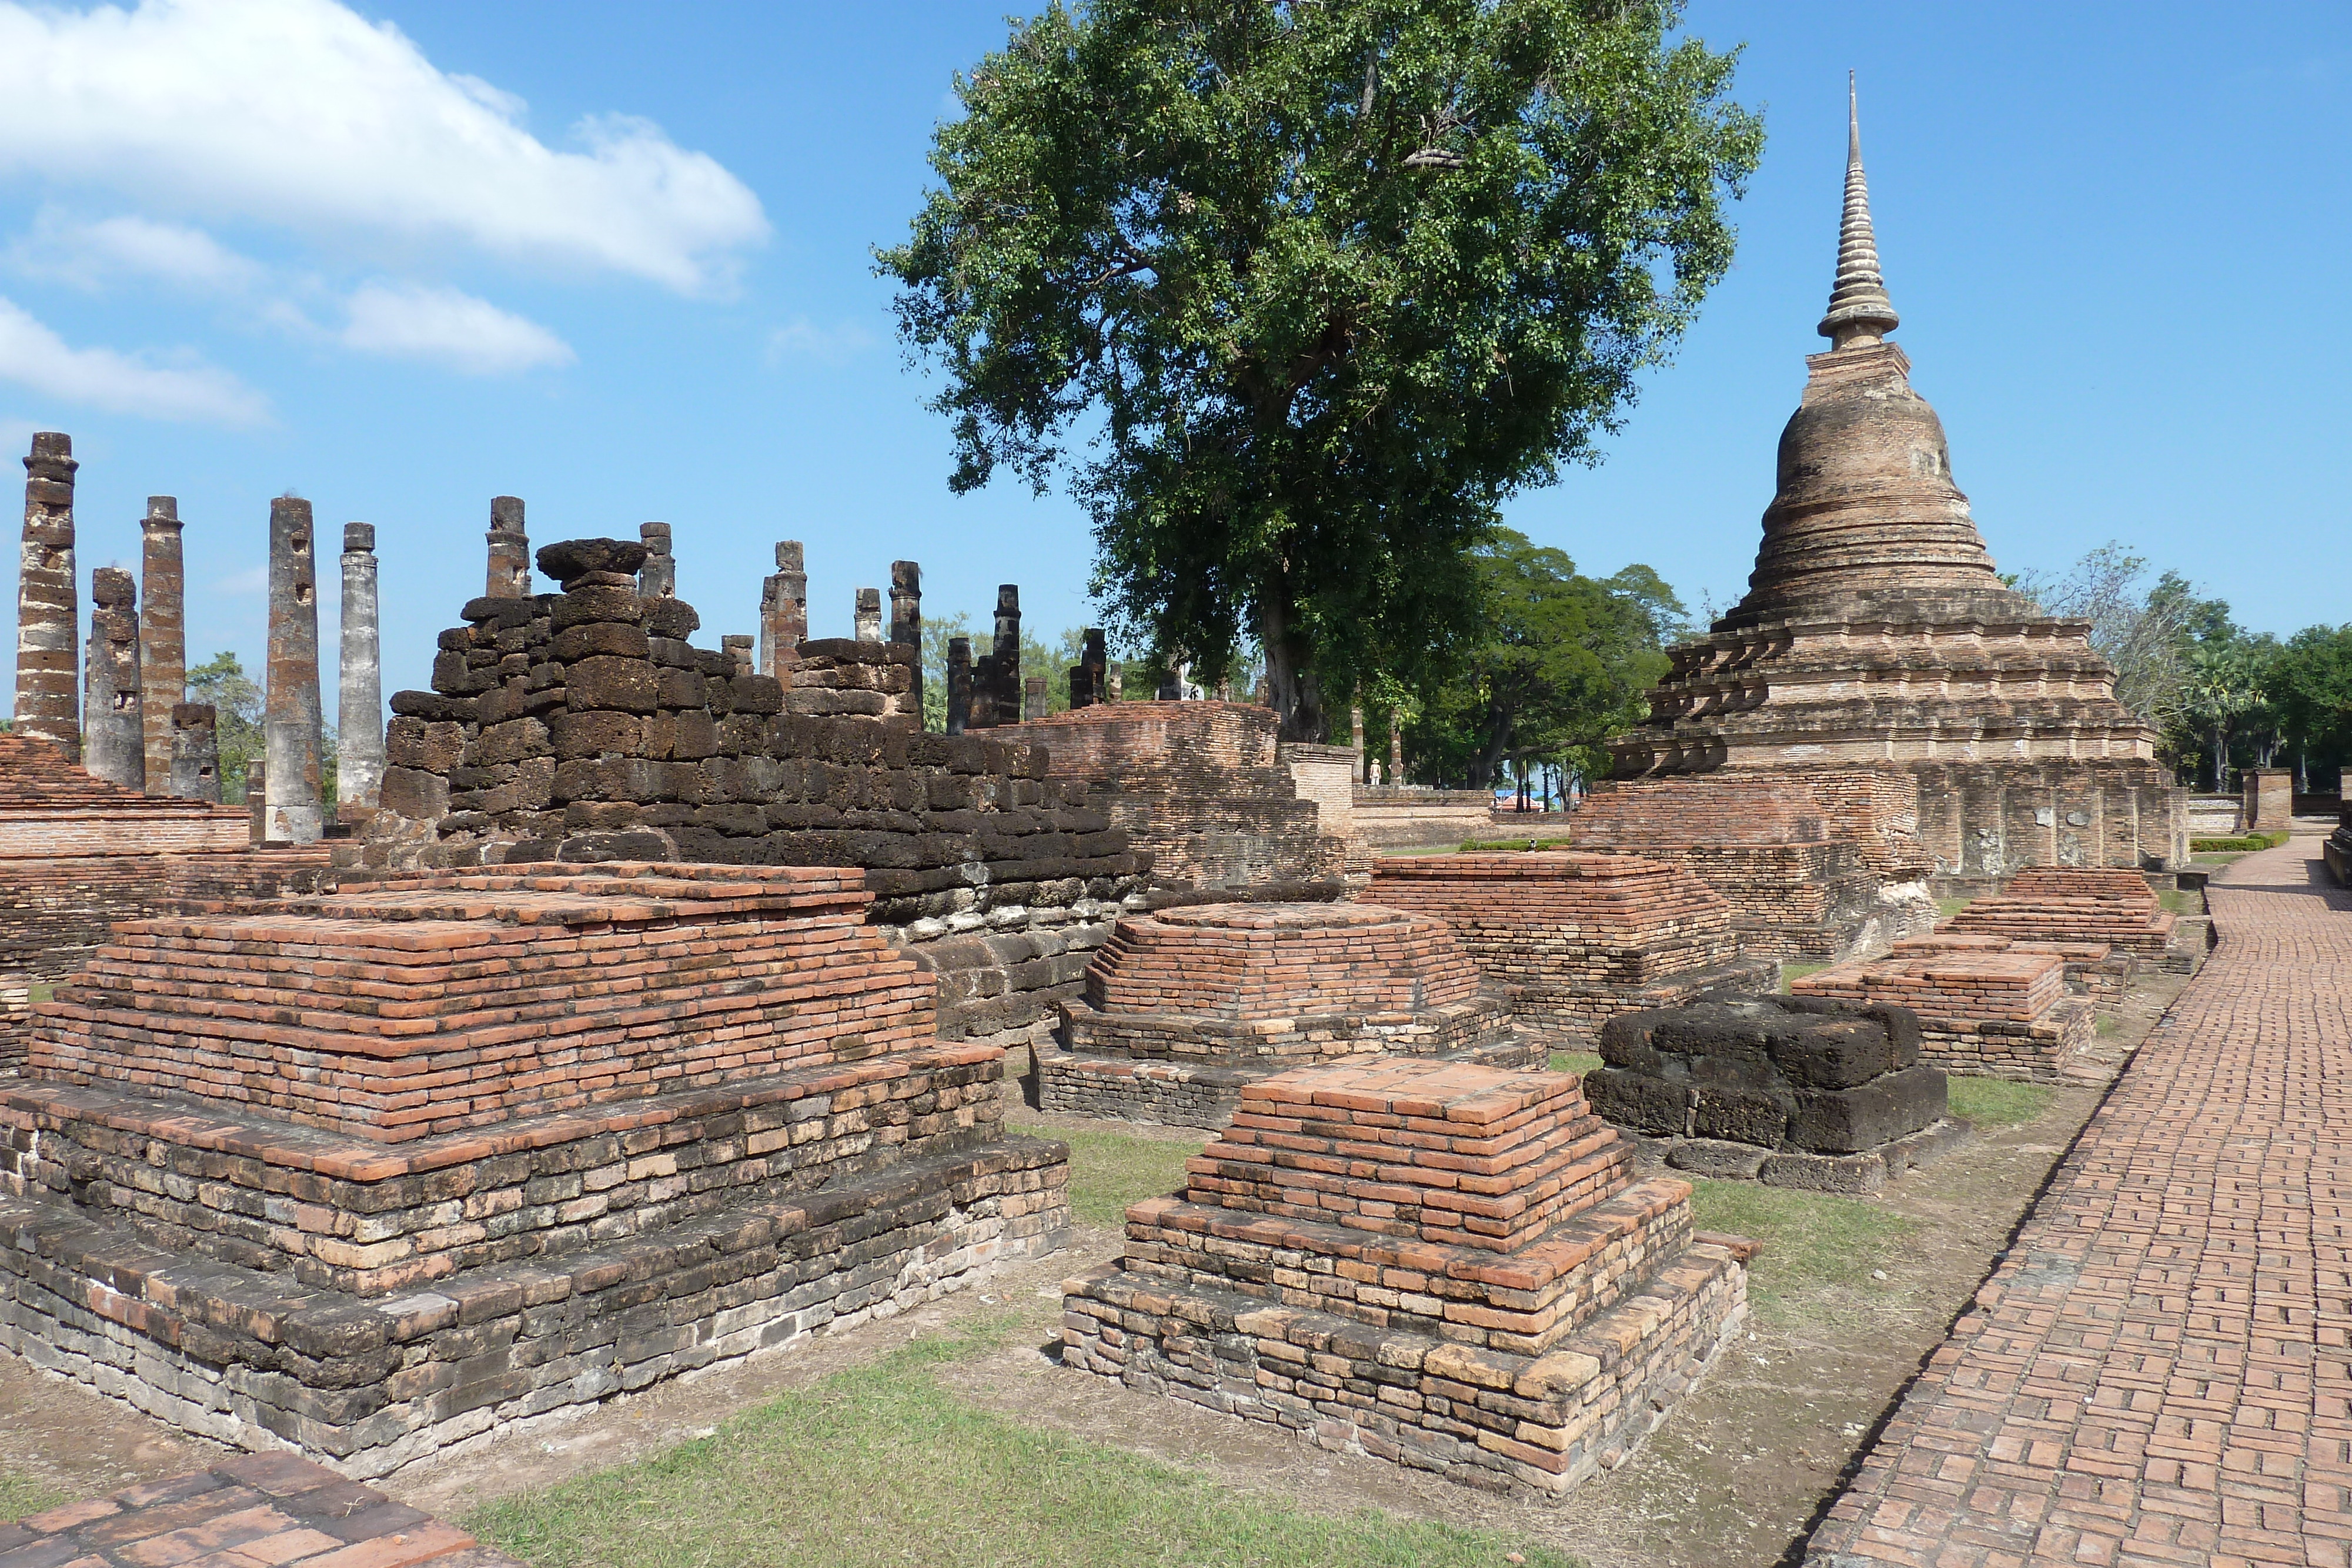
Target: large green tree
{"type": "Point", "coordinates": [1316, 286]}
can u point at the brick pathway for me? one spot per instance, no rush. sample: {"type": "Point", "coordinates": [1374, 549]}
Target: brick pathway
{"type": "Point", "coordinates": [2160, 1370]}
{"type": "Point", "coordinates": [257, 1511]}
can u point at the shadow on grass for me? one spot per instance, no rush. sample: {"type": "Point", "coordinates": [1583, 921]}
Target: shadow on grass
{"type": "Point", "coordinates": [880, 1464]}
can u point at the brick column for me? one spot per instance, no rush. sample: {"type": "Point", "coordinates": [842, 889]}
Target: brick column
{"type": "Point", "coordinates": [1115, 684]}
{"type": "Point", "coordinates": [113, 732]}
{"type": "Point", "coordinates": [256, 798]}
{"type": "Point", "coordinates": [1396, 751]}
{"type": "Point", "coordinates": [959, 684]}
{"type": "Point", "coordinates": [195, 752]}
{"type": "Point", "coordinates": [291, 716]}
{"type": "Point", "coordinates": [510, 575]}
{"type": "Point", "coordinates": [1355, 740]}
{"type": "Point", "coordinates": [49, 607]}
{"type": "Point", "coordinates": [359, 701]}
{"type": "Point", "coordinates": [658, 578]}
{"type": "Point", "coordinates": [1033, 698]}
{"type": "Point", "coordinates": [783, 613]}
{"type": "Point", "coordinates": [907, 622]}
{"type": "Point", "coordinates": [865, 622]}
{"type": "Point", "coordinates": [162, 634]}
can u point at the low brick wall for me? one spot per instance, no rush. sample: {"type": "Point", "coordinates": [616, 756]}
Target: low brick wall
{"type": "Point", "coordinates": [1391, 817]}
{"type": "Point", "coordinates": [1997, 1015]}
{"type": "Point", "coordinates": [2054, 903]}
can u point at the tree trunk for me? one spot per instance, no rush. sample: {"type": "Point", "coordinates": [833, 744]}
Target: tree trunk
{"type": "Point", "coordinates": [1290, 685]}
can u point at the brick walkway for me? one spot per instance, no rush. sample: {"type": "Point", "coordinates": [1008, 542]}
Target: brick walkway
{"type": "Point", "coordinates": [2160, 1370]}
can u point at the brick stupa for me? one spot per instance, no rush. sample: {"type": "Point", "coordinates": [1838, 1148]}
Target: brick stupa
{"type": "Point", "coordinates": [1878, 639]}
{"type": "Point", "coordinates": [1184, 1007]}
{"type": "Point", "coordinates": [1437, 1263]}
{"type": "Point", "coordinates": [1575, 940]}
{"type": "Point", "coordinates": [376, 1171]}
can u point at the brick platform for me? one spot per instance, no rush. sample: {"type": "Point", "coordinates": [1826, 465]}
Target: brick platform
{"type": "Point", "coordinates": [2158, 1370]}
{"type": "Point", "coordinates": [376, 1171]}
{"type": "Point", "coordinates": [1574, 940]}
{"type": "Point", "coordinates": [259, 1511]}
{"type": "Point", "coordinates": [2003, 1013]}
{"type": "Point", "coordinates": [78, 853]}
{"type": "Point", "coordinates": [2054, 903]}
{"type": "Point", "coordinates": [1441, 1264]}
{"type": "Point", "coordinates": [1184, 1007]}
{"type": "Point", "coordinates": [2094, 969]}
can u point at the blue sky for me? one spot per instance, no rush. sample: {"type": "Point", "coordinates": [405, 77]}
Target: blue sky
{"type": "Point", "coordinates": [614, 259]}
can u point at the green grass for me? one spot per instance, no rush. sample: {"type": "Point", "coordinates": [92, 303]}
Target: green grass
{"type": "Point", "coordinates": [1109, 1170]}
{"type": "Point", "coordinates": [41, 991]}
{"type": "Point", "coordinates": [1811, 1240]}
{"type": "Point", "coordinates": [1796, 971]}
{"type": "Point", "coordinates": [1577, 1061]}
{"type": "Point", "coordinates": [1488, 846]}
{"type": "Point", "coordinates": [21, 1495]}
{"type": "Point", "coordinates": [2182, 901]}
{"type": "Point", "coordinates": [881, 1464]}
{"type": "Point", "coordinates": [1996, 1102]}
{"type": "Point", "coordinates": [1947, 907]}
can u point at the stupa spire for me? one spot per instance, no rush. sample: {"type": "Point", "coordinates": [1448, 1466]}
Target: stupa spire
{"type": "Point", "coordinates": [1860, 311]}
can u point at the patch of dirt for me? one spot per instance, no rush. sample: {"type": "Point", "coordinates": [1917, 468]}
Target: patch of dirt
{"type": "Point", "coordinates": [79, 1443]}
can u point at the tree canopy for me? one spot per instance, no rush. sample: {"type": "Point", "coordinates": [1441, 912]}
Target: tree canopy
{"type": "Point", "coordinates": [1316, 286]}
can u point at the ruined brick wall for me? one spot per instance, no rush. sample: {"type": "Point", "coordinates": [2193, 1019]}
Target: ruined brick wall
{"type": "Point", "coordinates": [1204, 788]}
{"type": "Point", "coordinates": [1981, 821]}
{"type": "Point", "coordinates": [583, 726]}
{"type": "Point", "coordinates": [1389, 817]}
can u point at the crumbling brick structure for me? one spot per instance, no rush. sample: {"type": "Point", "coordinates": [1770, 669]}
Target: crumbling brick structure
{"type": "Point", "coordinates": [1209, 790]}
{"type": "Point", "coordinates": [1185, 1007]}
{"type": "Point", "coordinates": [1876, 635]}
{"type": "Point", "coordinates": [1447, 1265]}
{"type": "Point", "coordinates": [2052, 904]}
{"type": "Point", "coordinates": [2094, 970]}
{"type": "Point", "coordinates": [2003, 1014]}
{"type": "Point", "coordinates": [583, 725]}
{"type": "Point", "coordinates": [78, 853]}
{"type": "Point", "coordinates": [1575, 940]}
{"type": "Point", "coordinates": [376, 1171]}
{"type": "Point", "coordinates": [1789, 1091]}
{"type": "Point", "coordinates": [1388, 817]}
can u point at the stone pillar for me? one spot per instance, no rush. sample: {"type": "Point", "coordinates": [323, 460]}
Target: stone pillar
{"type": "Point", "coordinates": [1355, 740]}
{"type": "Point", "coordinates": [1033, 698]}
{"type": "Point", "coordinates": [195, 752]}
{"type": "Point", "coordinates": [739, 646]}
{"type": "Point", "coordinates": [163, 633]}
{"type": "Point", "coordinates": [658, 578]}
{"type": "Point", "coordinates": [2270, 799]}
{"type": "Point", "coordinates": [256, 798]}
{"type": "Point", "coordinates": [113, 732]}
{"type": "Point", "coordinates": [1115, 684]}
{"type": "Point", "coordinates": [1089, 675]}
{"type": "Point", "coordinates": [292, 717]}
{"type": "Point", "coordinates": [49, 606]}
{"type": "Point", "coordinates": [996, 674]}
{"type": "Point", "coordinates": [865, 622]}
{"type": "Point", "coordinates": [959, 684]}
{"type": "Point", "coordinates": [1396, 751]}
{"type": "Point", "coordinates": [907, 622]}
{"type": "Point", "coordinates": [783, 613]}
{"type": "Point", "coordinates": [358, 700]}
{"type": "Point", "coordinates": [510, 550]}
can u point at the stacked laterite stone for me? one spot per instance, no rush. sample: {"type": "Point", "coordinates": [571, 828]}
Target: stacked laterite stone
{"type": "Point", "coordinates": [583, 725]}
{"type": "Point", "coordinates": [1441, 1264]}
{"type": "Point", "coordinates": [2001, 1014]}
{"type": "Point", "coordinates": [1783, 1090]}
{"type": "Point", "coordinates": [376, 1171]}
{"type": "Point", "coordinates": [1210, 792]}
{"type": "Point", "coordinates": [1575, 940]}
{"type": "Point", "coordinates": [78, 853]}
{"type": "Point", "coordinates": [1185, 1007]}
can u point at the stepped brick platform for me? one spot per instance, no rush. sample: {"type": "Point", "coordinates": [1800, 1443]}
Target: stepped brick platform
{"type": "Point", "coordinates": [256, 1511]}
{"type": "Point", "coordinates": [1815, 866]}
{"type": "Point", "coordinates": [1999, 1014]}
{"type": "Point", "coordinates": [1209, 790]}
{"type": "Point", "coordinates": [2058, 903]}
{"type": "Point", "coordinates": [1184, 1007]}
{"type": "Point", "coordinates": [1787, 1091]}
{"type": "Point", "coordinates": [374, 1171]}
{"type": "Point", "coordinates": [1442, 1264]}
{"type": "Point", "coordinates": [78, 853]}
{"type": "Point", "coordinates": [1575, 940]}
{"type": "Point", "coordinates": [2094, 969]}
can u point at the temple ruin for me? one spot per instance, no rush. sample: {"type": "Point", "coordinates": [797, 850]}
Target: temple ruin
{"type": "Point", "coordinates": [1876, 643]}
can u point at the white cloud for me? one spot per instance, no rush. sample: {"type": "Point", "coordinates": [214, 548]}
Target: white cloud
{"type": "Point", "coordinates": [303, 114]}
{"type": "Point", "coordinates": [832, 345]}
{"type": "Point", "coordinates": [70, 250]}
{"type": "Point", "coordinates": [34, 355]}
{"type": "Point", "coordinates": [445, 326]}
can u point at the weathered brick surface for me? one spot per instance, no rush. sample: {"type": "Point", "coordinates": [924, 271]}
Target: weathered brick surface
{"type": "Point", "coordinates": [1574, 940]}
{"type": "Point", "coordinates": [1440, 1264]}
{"type": "Point", "coordinates": [2159, 1368]}
{"type": "Point", "coordinates": [1222, 993]}
{"type": "Point", "coordinates": [259, 1510]}
{"type": "Point", "coordinates": [2004, 1013]}
{"type": "Point", "coordinates": [2053, 904]}
{"type": "Point", "coordinates": [1388, 817]}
